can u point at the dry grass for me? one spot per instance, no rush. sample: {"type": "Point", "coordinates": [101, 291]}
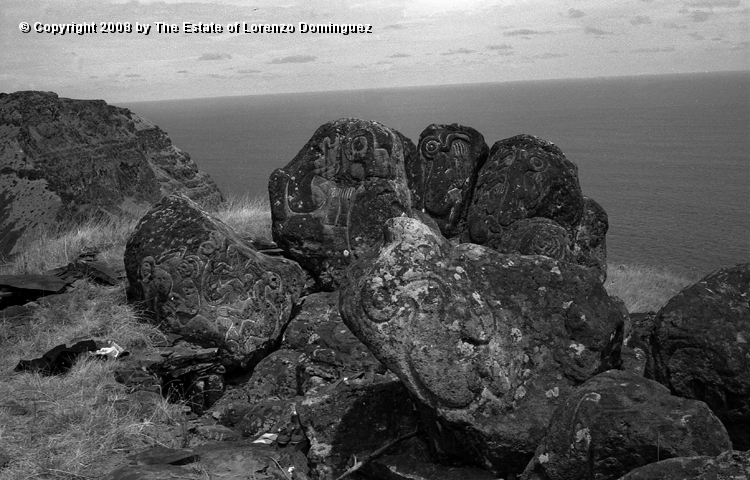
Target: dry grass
{"type": "Point", "coordinates": [249, 217]}
{"type": "Point", "coordinates": [644, 288]}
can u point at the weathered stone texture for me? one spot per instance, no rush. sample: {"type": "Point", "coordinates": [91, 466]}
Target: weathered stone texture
{"type": "Point", "coordinates": [489, 343]}
{"type": "Point", "coordinates": [63, 160]}
{"type": "Point", "coordinates": [329, 203]}
{"type": "Point", "coordinates": [618, 421]}
{"type": "Point", "coordinates": [442, 176]}
{"type": "Point", "coordinates": [701, 347]}
{"type": "Point", "coordinates": [200, 280]}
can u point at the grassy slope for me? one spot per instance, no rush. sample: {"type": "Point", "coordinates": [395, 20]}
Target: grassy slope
{"type": "Point", "coordinates": [79, 425]}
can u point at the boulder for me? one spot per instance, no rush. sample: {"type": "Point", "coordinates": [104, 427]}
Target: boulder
{"type": "Point", "coordinates": [731, 464]}
{"type": "Point", "coordinates": [489, 343]}
{"type": "Point", "coordinates": [525, 177]}
{"type": "Point", "coordinates": [354, 418]}
{"type": "Point", "coordinates": [590, 237]}
{"type": "Point", "coordinates": [329, 203]}
{"type": "Point", "coordinates": [63, 160]}
{"type": "Point", "coordinates": [197, 278]}
{"type": "Point", "coordinates": [618, 421]}
{"type": "Point", "coordinates": [701, 347]}
{"type": "Point", "coordinates": [442, 176]}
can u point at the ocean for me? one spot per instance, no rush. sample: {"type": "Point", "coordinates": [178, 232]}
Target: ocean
{"type": "Point", "coordinates": [668, 156]}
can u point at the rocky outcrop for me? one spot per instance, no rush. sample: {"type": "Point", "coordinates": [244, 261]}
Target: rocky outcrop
{"type": "Point", "coordinates": [329, 203]}
{"type": "Point", "coordinates": [442, 176]}
{"type": "Point", "coordinates": [700, 347]}
{"type": "Point", "coordinates": [197, 278]}
{"type": "Point", "coordinates": [63, 160]}
{"type": "Point", "coordinates": [618, 421]}
{"type": "Point", "coordinates": [489, 343]}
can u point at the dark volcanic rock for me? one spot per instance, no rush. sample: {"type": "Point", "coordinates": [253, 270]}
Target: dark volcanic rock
{"type": "Point", "coordinates": [590, 237]}
{"type": "Point", "coordinates": [198, 279]}
{"type": "Point", "coordinates": [489, 343]}
{"type": "Point", "coordinates": [62, 160]}
{"type": "Point", "coordinates": [329, 203]}
{"type": "Point", "coordinates": [618, 421]}
{"type": "Point", "coordinates": [730, 465]}
{"type": "Point", "coordinates": [524, 177]}
{"type": "Point", "coordinates": [701, 347]}
{"type": "Point", "coordinates": [442, 177]}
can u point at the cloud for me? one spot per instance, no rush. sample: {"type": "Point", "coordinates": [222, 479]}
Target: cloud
{"type": "Point", "coordinates": [503, 46]}
{"type": "Point", "coordinates": [596, 31]}
{"type": "Point", "coordinates": [714, 4]}
{"type": "Point", "coordinates": [400, 55]}
{"type": "Point", "coordinates": [696, 36]}
{"type": "Point", "coordinates": [249, 71]}
{"type": "Point", "coordinates": [216, 75]}
{"type": "Point", "coordinates": [545, 56]}
{"type": "Point", "coordinates": [524, 32]}
{"type": "Point", "coordinates": [674, 25]}
{"type": "Point", "coordinates": [215, 56]}
{"type": "Point", "coordinates": [573, 13]}
{"type": "Point", "coordinates": [653, 50]}
{"type": "Point", "coordinates": [699, 16]}
{"type": "Point", "coordinates": [640, 20]}
{"type": "Point", "coordinates": [741, 46]}
{"type": "Point", "coordinates": [132, 75]}
{"type": "Point", "coordinates": [182, 71]}
{"type": "Point", "coordinates": [458, 51]}
{"type": "Point", "coordinates": [294, 59]}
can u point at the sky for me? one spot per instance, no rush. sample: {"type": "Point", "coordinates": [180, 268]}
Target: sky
{"type": "Point", "coordinates": [412, 43]}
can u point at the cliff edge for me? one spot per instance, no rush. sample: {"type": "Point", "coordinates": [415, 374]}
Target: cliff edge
{"type": "Point", "coordinates": [63, 160]}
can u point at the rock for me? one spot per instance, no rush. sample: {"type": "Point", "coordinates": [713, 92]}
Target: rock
{"type": "Point", "coordinates": [701, 347]}
{"type": "Point", "coordinates": [405, 467]}
{"type": "Point", "coordinates": [525, 177]}
{"type": "Point", "coordinates": [536, 236]}
{"type": "Point", "coordinates": [328, 351]}
{"type": "Point", "coordinates": [729, 465]}
{"type": "Point", "coordinates": [618, 421]}
{"type": "Point", "coordinates": [489, 343]}
{"type": "Point", "coordinates": [329, 203]}
{"type": "Point", "coordinates": [442, 177]}
{"type": "Point", "coordinates": [354, 418]}
{"type": "Point", "coordinates": [64, 160]}
{"type": "Point", "coordinates": [275, 377]}
{"type": "Point", "coordinates": [635, 346]}
{"type": "Point", "coordinates": [20, 289]}
{"type": "Point", "coordinates": [198, 279]}
{"type": "Point", "coordinates": [590, 238]}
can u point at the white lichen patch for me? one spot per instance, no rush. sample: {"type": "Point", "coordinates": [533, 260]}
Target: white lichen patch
{"type": "Point", "coordinates": [457, 276]}
{"type": "Point", "coordinates": [516, 334]}
{"type": "Point", "coordinates": [543, 458]}
{"type": "Point", "coordinates": [583, 319]}
{"type": "Point", "coordinates": [520, 393]}
{"type": "Point", "coordinates": [741, 338]}
{"type": "Point", "coordinates": [566, 305]}
{"type": "Point", "coordinates": [556, 270]}
{"type": "Point", "coordinates": [465, 348]}
{"type": "Point", "coordinates": [553, 392]}
{"type": "Point", "coordinates": [579, 348]}
{"type": "Point", "coordinates": [591, 397]}
{"type": "Point", "coordinates": [460, 269]}
{"type": "Point", "coordinates": [583, 435]}
{"type": "Point", "coordinates": [476, 297]}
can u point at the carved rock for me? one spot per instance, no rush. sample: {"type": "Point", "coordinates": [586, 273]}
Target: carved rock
{"type": "Point", "coordinates": [329, 203]}
{"type": "Point", "coordinates": [701, 347]}
{"type": "Point", "coordinates": [731, 464]}
{"type": "Point", "coordinates": [618, 421]}
{"type": "Point", "coordinates": [442, 177]}
{"type": "Point", "coordinates": [198, 279]}
{"type": "Point", "coordinates": [590, 237]}
{"type": "Point", "coordinates": [489, 343]}
{"type": "Point", "coordinates": [524, 177]}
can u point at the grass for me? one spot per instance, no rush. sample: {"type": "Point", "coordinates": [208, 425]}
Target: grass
{"type": "Point", "coordinates": [81, 424]}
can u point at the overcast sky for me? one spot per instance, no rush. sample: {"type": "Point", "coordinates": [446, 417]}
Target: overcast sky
{"type": "Point", "coordinates": [413, 42]}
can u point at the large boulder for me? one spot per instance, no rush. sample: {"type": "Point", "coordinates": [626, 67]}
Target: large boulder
{"type": "Point", "coordinates": [489, 343]}
{"type": "Point", "coordinates": [197, 278]}
{"type": "Point", "coordinates": [528, 200]}
{"type": "Point", "coordinates": [701, 347]}
{"type": "Point", "coordinates": [442, 176]}
{"type": "Point", "coordinates": [329, 203]}
{"type": "Point", "coordinates": [618, 421]}
{"type": "Point", "coordinates": [62, 160]}
{"type": "Point", "coordinates": [730, 465]}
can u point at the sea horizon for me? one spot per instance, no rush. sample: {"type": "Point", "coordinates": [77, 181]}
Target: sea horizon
{"type": "Point", "coordinates": [667, 156]}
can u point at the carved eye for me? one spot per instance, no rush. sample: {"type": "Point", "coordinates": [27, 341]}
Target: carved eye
{"type": "Point", "coordinates": [536, 163]}
{"type": "Point", "coordinates": [359, 145]}
{"type": "Point", "coordinates": [431, 147]}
